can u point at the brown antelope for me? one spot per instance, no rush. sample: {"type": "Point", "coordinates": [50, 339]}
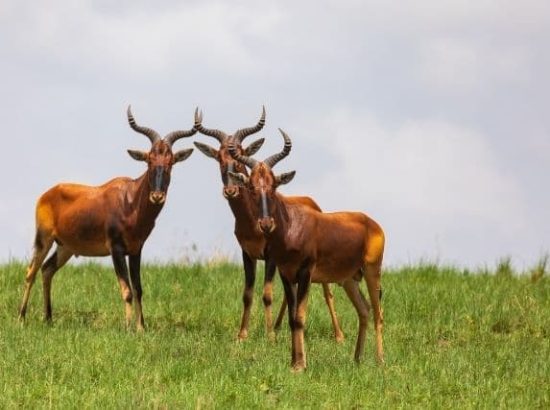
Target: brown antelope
{"type": "Point", "coordinates": [250, 238]}
{"type": "Point", "coordinates": [312, 246]}
{"type": "Point", "coordinates": [111, 219]}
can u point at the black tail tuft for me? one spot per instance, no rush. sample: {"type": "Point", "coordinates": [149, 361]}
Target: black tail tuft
{"type": "Point", "coordinates": [38, 244]}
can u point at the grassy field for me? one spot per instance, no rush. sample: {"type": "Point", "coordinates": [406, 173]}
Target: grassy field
{"type": "Point", "coordinates": [453, 339]}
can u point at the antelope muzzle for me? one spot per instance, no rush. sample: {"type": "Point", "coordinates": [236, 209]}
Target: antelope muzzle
{"type": "Point", "coordinates": [230, 191]}
{"type": "Point", "coordinates": [266, 225]}
{"type": "Point", "coordinates": [157, 197]}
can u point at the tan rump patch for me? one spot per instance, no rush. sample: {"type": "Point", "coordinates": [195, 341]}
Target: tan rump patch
{"type": "Point", "coordinates": [375, 248]}
{"type": "Point", "coordinates": [44, 218]}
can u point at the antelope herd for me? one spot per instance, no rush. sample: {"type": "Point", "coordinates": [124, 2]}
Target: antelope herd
{"type": "Point", "coordinates": [290, 233]}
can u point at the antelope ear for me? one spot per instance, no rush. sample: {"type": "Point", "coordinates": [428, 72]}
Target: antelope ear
{"type": "Point", "coordinates": [242, 178]}
{"type": "Point", "coordinates": [182, 155]}
{"type": "Point", "coordinates": [254, 147]}
{"type": "Point", "coordinates": [138, 155]}
{"type": "Point", "coordinates": [285, 177]}
{"type": "Point", "coordinates": [207, 150]}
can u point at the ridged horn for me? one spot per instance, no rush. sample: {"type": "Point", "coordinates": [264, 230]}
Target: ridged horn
{"type": "Point", "coordinates": [241, 134]}
{"type": "Point", "coordinates": [219, 135]}
{"type": "Point", "coordinates": [272, 160]}
{"type": "Point", "coordinates": [176, 135]}
{"type": "Point", "coordinates": [148, 132]}
{"type": "Point", "coordinates": [243, 159]}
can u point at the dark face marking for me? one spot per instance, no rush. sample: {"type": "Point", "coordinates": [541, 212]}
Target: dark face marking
{"type": "Point", "coordinates": [231, 187]}
{"type": "Point", "coordinates": [262, 183]}
{"type": "Point", "coordinates": [158, 175]}
{"type": "Point", "coordinates": [263, 196]}
{"type": "Point", "coordinates": [159, 162]}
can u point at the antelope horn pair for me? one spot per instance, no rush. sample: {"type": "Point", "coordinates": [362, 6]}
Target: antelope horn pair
{"type": "Point", "coordinates": [153, 135]}
{"type": "Point", "coordinates": [269, 161]}
{"type": "Point", "coordinates": [221, 136]}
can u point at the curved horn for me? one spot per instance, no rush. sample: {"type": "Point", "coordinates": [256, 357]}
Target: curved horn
{"type": "Point", "coordinates": [176, 135]}
{"type": "Point", "coordinates": [248, 161]}
{"type": "Point", "coordinates": [272, 160]}
{"type": "Point", "coordinates": [219, 135]}
{"type": "Point", "coordinates": [148, 132]}
{"type": "Point", "coordinates": [241, 134]}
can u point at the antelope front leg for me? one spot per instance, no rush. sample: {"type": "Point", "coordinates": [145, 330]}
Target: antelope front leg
{"type": "Point", "coordinates": [270, 269]}
{"type": "Point", "coordinates": [290, 298]}
{"type": "Point", "coordinates": [281, 315]}
{"type": "Point", "coordinates": [135, 276]}
{"type": "Point", "coordinates": [121, 270]}
{"type": "Point", "coordinates": [304, 282]}
{"type": "Point", "coordinates": [249, 278]}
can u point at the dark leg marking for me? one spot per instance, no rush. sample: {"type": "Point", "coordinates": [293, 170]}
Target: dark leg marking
{"type": "Point", "coordinates": [49, 266]}
{"type": "Point", "coordinates": [135, 276]}
{"type": "Point", "coordinates": [270, 269]}
{"type": "Point", "coordinates": [249, 277]}
{"type": "Point", "coordinates": [248, 292]}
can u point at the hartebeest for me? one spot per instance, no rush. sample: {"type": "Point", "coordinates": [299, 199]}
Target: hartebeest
{"type": "Point", "coordinates": [312, 246]}
{"type": "Point", "coordinates": [250, 238]}
{"type": "Point", "coordinates": [111, 219]}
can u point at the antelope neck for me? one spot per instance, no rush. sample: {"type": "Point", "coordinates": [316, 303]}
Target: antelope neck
{"type": "Point", "coordinates": [277, 239]}
{"type": "Point", "coordinates": [241, 206]}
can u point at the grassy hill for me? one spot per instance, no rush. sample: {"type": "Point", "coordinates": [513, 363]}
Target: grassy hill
{"type": "Point", "coordinates": [452, 339]}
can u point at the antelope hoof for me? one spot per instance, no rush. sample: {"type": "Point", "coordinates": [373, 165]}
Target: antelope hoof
{"type": "Point", "coordinates": [298, 368]}
{"type": "Point", "coordinates": [242, 336]}
{"type": "Point", "coordinates": [339, 338]}
{"type": "Point", "coordinates": [272, 336]}
{"type": "Point", "coordinates": [22, 312]}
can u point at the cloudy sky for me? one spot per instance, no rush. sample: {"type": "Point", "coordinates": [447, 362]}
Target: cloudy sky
{"type": "Point", "coordinates": [431, 116]}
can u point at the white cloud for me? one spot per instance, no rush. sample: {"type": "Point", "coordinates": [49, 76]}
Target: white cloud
{"type": "Point", "coordinates": [425, 177]}
{"type": "Point", "coordinates": [461, 175]}
{"type": "Point", "coordinates": [464, 65]}
{"type": "Point", "coordinates": [143, 41]}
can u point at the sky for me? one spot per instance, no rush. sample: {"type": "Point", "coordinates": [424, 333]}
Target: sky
{"type": "Point", "coordinates": [430, 116]}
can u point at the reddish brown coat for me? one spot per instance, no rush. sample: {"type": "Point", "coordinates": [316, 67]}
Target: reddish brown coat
{"type": "Point", "coordinates": [247, 232]}
{"type": "Point", "coordinates": [312, 246]}
{"type": "Point", "coordinates": [114, 219]}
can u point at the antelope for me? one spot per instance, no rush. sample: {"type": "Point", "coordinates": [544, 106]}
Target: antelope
{"type": "Point", "coordinates": [249, 236]}
{"type": "Point", "coordinates": [111, 219]}
{"type": "Point", "coordinates": [312, 246]}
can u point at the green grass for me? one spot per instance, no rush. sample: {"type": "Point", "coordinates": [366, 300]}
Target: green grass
{"type": "Point", "coordinates": [452, 340]}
